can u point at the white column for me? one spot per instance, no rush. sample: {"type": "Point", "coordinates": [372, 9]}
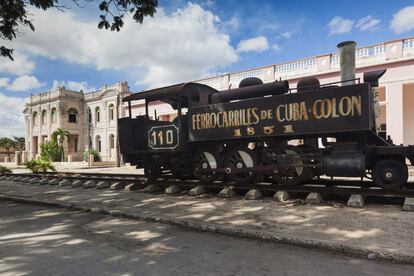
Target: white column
{"type": "Point", "coordinates": [395, 113]}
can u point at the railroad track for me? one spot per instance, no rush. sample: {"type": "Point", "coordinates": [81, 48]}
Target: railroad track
{"type": "Point", "coordinates": [321, 186]}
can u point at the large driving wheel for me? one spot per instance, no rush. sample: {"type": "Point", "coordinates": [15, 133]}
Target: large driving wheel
{"type": "Point", "coordinates": [390, 174]}
{"type": "Point", "coordinates": [240, 158]}
{"type": "Point", "coordinates": [206, 160]}
{"type": "Point", "coordinates": [292, 167]}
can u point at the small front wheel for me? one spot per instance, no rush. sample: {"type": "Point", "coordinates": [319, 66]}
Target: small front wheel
{"type": "Point", "coordinates": [390, 174]}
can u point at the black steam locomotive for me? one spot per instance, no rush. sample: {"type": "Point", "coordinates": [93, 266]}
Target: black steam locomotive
{"type": "Point", "coordinates": [245, 135]}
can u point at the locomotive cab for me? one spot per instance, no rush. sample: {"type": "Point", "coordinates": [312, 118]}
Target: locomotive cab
{"type": "Point", "coordinates": [148, 141]}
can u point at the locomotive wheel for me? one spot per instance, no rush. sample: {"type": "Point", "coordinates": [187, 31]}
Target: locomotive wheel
{"type": "Point", "coordinates": [207, 159]}
{"type": "Point", "coordinates": [238, 158]}
{"type": "Point", "coordinates": [390, 174]}
{"type": "Point", "coordinates": [292, 169]}
{"type": "Point", "coordinates": [180, 168]}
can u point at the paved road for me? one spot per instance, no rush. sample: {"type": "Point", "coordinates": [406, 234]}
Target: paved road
{"type": "Point", "coordinates": [37, 240]}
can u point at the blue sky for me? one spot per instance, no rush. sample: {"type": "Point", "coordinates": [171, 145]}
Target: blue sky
{"type": "Point", "coordinates": [183, 42]}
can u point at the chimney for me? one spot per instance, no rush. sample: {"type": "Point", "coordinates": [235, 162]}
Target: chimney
{"type": "Point", "coordinates": [347, 62]}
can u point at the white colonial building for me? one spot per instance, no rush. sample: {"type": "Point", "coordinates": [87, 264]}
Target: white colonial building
{"type": "Point", "coordinates": [91, 119]}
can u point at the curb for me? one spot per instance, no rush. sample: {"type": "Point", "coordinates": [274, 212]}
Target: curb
{"type": "Point", "coordinates": [230, 231]}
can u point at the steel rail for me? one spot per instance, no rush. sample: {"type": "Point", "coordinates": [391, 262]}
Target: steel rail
{"type": "Point", "coordinates": [323, 186]}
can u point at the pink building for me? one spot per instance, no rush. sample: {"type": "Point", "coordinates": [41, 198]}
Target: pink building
{"type": "Point", "coordinates": [396, 89]}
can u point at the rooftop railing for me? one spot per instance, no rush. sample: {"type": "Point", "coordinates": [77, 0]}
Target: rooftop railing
{"type": "Point", "coordinates": [365, 56]}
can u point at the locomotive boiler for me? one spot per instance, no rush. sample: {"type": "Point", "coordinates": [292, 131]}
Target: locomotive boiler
{"type": "Point", "coordinates": [261, 132]}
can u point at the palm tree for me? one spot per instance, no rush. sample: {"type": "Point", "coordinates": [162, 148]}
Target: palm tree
{"type": "Point", "coordinates": [7, 144]}
{"type": "Point", "coordinates": [59, 136]}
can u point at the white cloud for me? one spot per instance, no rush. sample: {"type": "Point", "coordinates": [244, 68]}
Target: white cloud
{"type": "Point", "coordinates": [21, 83]}
{"type": "Point", "coordinates": [73, 85]}
{"type": "Point", "coordinates": [340, 25]}
{"type": "Point", "coordinates": [256, 44]}
{"type": "Point", "coordinates": [276, 47]}
{"type": "Point", "coordinates": [170, 47]}
{"type": "Point", "coordinates": [286, 35]}
{"type": "Point", "coordinates": [403, 20]}
{"type": "Point", "coordinates": [20, 66]}
{"type": "Point", "coordinates": [11, 116]}
{"type": "Point", "coordinates": [367, 23]}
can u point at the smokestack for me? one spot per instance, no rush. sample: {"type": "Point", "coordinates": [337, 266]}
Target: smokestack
{"type": "Point", "coordinates": [347, 61]}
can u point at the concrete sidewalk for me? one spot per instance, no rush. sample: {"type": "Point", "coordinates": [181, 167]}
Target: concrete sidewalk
{"type": "Point", "coordinates": [383, 232]}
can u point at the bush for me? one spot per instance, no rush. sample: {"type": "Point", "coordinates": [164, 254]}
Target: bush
{"type": "Point", "coordinates": [4, 170]}
{"type": "Point", "coordinates": [39, 165]}
{"type": "Point", "coordinates": [51, 151]}
{"type": "Point", "coordinates": [94, 152]}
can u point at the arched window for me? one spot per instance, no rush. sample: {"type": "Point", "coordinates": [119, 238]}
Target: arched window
{"type": "Point", "coordinates": [34, 118]}
{"type": "Point", "coordinates": [98, 143]}
{"type": "Point", "coordinates": [43, 119]}
{"type": "Point", "coordinates": [111, 141]}
{"type": "Point", "coordinates": [89, 115]}
{"type": "Point", "coordinates": [72, 115]}
{"type": "Point", "coordinates": [53, 115]}
{"type": "Point", "coordinates": [97, 114]}
{"type": "Point", "coordinates": [111, 112]}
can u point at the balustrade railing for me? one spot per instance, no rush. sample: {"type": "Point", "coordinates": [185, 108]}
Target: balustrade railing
{"type": "Point", "coordinates": [308, 65]}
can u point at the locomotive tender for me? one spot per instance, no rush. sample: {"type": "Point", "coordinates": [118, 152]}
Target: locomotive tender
{"type": "Point", "coordinates": [245, 134]}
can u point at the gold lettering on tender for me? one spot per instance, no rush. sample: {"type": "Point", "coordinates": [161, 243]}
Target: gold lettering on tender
{"type": "Point", "coordinates": [295, 111]}
{"type": "Point", "coordinates": [194, 121]}
{"type": "Point", "coordinates": [237, 117]}
{"type": "Point", "coordinates": [334, 114]}
{"type": "Point", "coordinates": [263, 114]}
{"type": "Point", "coordinates": [303, 111]}
{"type": "Point", "coordinates": [315, 108]}
{"type": "Point", "coordinates": [198, 121]}
{"type": "Point", "coordinates": [356, 105]}
{"type": "Point", "coordinates": [288, 112]}
{"type": "Point", "coordinates": [278, 112]}
{"type": "Point", "coordinates": [245, 120]}
{"type": "Point", "coordinates": [326, 108]}
{"type": "Point", "coordinates": [345, 110]}
{"type": "Point", "coordinates": [202, 126]}
{"type": "Point", "coordinates": [236, 132]}
{"type": "Point", "coordinates": [288, 129]}
{"type": "Point", "coordinates": [250, 131]}
{"type": "Point", "coordinates": [225, 119]}
{"type": "Point", "coordinates": [231, 118]}
{"type": "Point", "coordinates": [213, 120]}
{"type": "Point", "coordinates": [255, 114]}
{"type": "Point", "coordinates": [268, 129]}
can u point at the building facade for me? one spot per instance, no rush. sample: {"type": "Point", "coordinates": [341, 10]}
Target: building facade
{"type": "Point", "coordinates": [90, 118]}
{"type": "Point", "coordinates": [96, 120]}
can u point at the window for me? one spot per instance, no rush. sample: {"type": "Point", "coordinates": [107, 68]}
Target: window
{"type": "Point", "coordinates": [44, 113]}
{"type": "Point", "coordinates": [89, 115]}
{"type": "Point", "coordinates": [111, 112]}
{"type": "Point", "coordinates": [34, 118]}
{"type": "Point", "coordinates": [97, 114]}
{"type": "Point", "coordinates": [72, 114]}
{"type": "Point", "coordinates": [98, 144]}
{"type": "Point", "coordinates": [111, 141]}
{"type": "Point", "coordinates": [53, 115]}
